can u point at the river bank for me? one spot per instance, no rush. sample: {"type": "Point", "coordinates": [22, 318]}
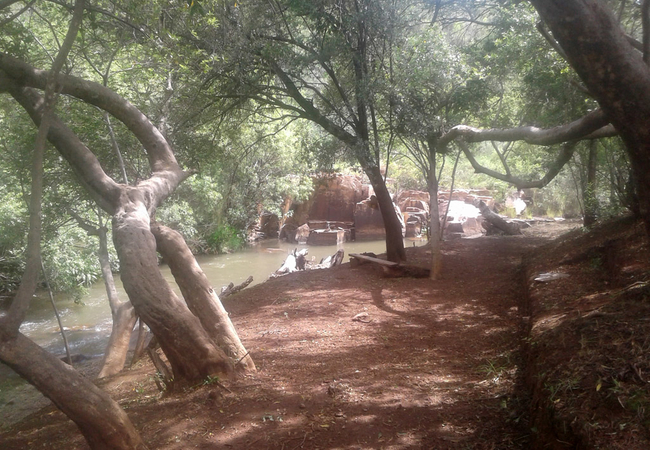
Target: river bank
{"type": "Point", "coordinates": [444, 364]}
{"type": "Point", "coordinates": [416, 364]}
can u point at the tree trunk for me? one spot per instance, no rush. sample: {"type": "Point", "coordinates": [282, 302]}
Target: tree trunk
{"type": "Point", "coordinates": [589, 199]}
{"type": "Point", "coordinates": [613, 71]}
{"type": "Point", "coordinates": [495, 220]}
{"type": "Point", "coordinates": [190, 350]}
{"type": "Point", "coordinates": [394, 237]}
{"type": "Point", "coordinates": [122, 313]}
{"type": "Point", "coordinates": [435, 233]}
{"type": "Point", "coordinates": [100, 419]}
{"type": "Point", "coordinates": [200, 297]}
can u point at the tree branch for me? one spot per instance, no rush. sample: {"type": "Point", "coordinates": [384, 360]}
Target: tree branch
{"type": "Point", "coordinates": [309, 110]}
{"type": "Point", "coordinates": [563, 157]}
{"type": "Point", "coordinates": [161, 156]}
{"type": "Point", "coordinates": [326, 67]}
{"type": "Point", "coordinates": [578, 129]}
{"type": "Point", "coordinates": [85, 164]}
{"type": "Point", "coordinates": [645, 20]}
{"type": "Point", "coordinates": [4, 4]}
{"type": "Point", "coordinates": [544, 32]}
{"type": "Point", "coordinates": [29, 280]}
{"type": "Point", "coordinates": [16, 14]}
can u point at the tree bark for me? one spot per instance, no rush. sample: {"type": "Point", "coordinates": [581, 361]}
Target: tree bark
{"type": "Point", "coordinates": [360, 147]}
{"type": "Point", "coordinates": [100, 419]}
{"type": "Point", "coordinates": [394, 238]}
{"type": "Point", "coordinates": [435, 232]}
{"type": "Point", "coordinates": [200, 296]}
{"type": "Point", "coordinates": [123, 315]}
{"type": "Point", "coordinates": [589, 199]}
{"type": "Point", "coordinates": [613, 71]}
{"type": "Point", "coordinates": [496, 220]}
{"type": "Point", "coordinates": [189, 348]}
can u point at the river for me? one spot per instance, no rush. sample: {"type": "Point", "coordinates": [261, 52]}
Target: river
{"type": "Point", "coordinates": [88, 323]}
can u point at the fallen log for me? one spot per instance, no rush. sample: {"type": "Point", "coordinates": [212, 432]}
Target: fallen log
{"type": "Point", "coordinates": [373, 259]}
{"type": "Point", "coordinates": [392, 269]}
{"type": "Point", "coordinates": [337, 259]}
{"type": "Point", "coordinates": [295, 261]}
{"type": "Point", "coordinates": [331, 261]}
{"type": "Point", "coordinates": [231, 288]}
{"type": "Point", "coordinates": [496, 221]}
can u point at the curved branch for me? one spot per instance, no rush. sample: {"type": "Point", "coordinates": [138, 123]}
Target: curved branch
{"type": "Point", "coordinates": [576, 130]}
{"type": "Point", "coordinates": [85, 164]}
{"type": "Point", "coordinates": [16, 14]}
{"type": "Point", "coordinates": [161, 156]}
{"type": "Point", "coordinates": [563, 157]}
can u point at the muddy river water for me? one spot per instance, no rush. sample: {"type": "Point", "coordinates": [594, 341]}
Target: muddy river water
{"type": "Point", "coordinates": [88, 323]}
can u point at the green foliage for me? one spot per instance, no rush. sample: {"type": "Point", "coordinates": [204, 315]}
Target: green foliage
{"type": "Point", "coordinates": [200, 71]}
{"type": "Point", "coordinates": [70, 260]}
{"type": "Point", "coordinates": [225, 239]}
{"type": "Point", "coordinates": [13, 223]}
{"type": "Point", "coordinates": [179, 216]}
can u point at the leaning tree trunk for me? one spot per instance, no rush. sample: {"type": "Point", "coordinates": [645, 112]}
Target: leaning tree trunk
{"type": "Point", "coordinates": [393, 226]}
{"type": "Point", "coordinates": [613, 71]}
{"type": "Point", "coordinates": [589, 199]}
{"type": "Point", "coordinates": [200, 296]}
{"type": "Point", "coordinates": [101, 420]}
{"type": "Point", "coordinates": [188, 347]}
{"type": "Point", "coordinates": [123, 315]}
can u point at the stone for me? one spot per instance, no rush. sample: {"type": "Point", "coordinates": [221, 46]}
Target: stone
{"type": "Point", "coordinates": [327, 237]}
{"type": "Point", "coordinates": [302, 234]}
{"type": "Point", "coordinates": [368, 223]}
{"type": "Point", "coordinates": [413, 229]}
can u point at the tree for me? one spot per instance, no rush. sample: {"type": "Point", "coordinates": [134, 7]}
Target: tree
{"type": "Point", "coordinates": [317, 61]}
{"type": "Point", "coordinates": [102, 422]}
{"type": "Point", "coordinates": [614, 71]}
{"type": "Point", "coordinates": [196, 347]}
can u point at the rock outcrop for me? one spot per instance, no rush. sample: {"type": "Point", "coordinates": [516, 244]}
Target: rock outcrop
{"type": "Point", "coordinates": [343, 208]}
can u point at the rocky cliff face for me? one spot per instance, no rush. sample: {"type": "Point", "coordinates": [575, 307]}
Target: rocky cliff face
{"type": "Point", "coordinates": [331, 207]}
{"type": "Point", "coordinates": [343, 202]}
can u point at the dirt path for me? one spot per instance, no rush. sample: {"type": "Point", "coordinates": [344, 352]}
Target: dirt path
{"type": "Point", "coordinates": [430, 365]}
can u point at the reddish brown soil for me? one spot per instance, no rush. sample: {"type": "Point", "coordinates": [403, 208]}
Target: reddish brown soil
{"type": "Point", "coordinates": [589, 344]}
{"type": "Point", "coordinates": [431, 364]}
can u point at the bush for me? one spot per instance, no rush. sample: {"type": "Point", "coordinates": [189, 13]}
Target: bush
{"type": "Point", "coordinates": [225, 239]}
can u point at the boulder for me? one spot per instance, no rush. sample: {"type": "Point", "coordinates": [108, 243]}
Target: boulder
{"type": "Point", "coordinates": [302, 234]}
{"type": "Point", "coordinates": [328, 237]}
{"type": "Point", "coordinates": [368, 223]}
{"type": "Point", "coordinates": [269, 225]}
{"type": "Point", "coordinates": [412, 199]}
{"type": "Point", "coordinates": [335, 197]}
